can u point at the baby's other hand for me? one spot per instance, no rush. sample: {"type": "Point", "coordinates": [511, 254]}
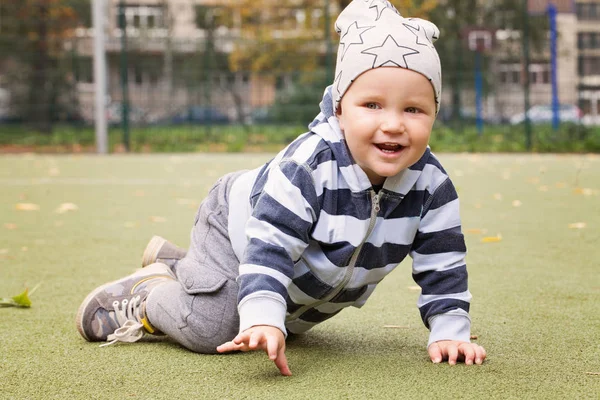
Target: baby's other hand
{"type": "Point", "coordinates": [453, 351]}
{"type": "Point", "coordinates": [261, 337]}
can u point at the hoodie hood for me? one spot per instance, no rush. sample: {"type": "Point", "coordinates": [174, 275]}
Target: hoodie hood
{"type": "Point", "coordinates": [326, 126]}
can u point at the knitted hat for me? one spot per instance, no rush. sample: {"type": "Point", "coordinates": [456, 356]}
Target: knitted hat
{"type": "Point", "coordinates": [373, 34]}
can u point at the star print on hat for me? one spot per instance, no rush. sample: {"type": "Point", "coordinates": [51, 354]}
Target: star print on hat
{"type": "Point", "coordinates": [373, 34]}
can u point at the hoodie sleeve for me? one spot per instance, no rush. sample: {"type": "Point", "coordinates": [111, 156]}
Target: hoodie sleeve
{"type": "Point", "coordinates": [278, 233]}
{"type": "Point", "coordinates": [439, 267]}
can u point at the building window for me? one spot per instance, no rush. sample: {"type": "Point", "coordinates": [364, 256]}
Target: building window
{"type": "Point", "coordinates": [588, 40]}
{"type": "Point", "coordinates": [510, 74]}
{"type": "Point", "coordinates": [143, 17]}
{"type": "Point", "coordinates": [588, 11]}
{"type": "Point", "coordinates": [589, 65]}
{"type": "Point", "coordinates": [83, 70]}
{"type": "Point", "coordinates": [539, 74]}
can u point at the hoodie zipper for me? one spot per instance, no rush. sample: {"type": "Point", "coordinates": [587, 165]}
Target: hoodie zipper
{"type": "Point", "coordinates": [348, 275]}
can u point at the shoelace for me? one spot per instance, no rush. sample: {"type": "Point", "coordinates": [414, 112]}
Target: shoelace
{"type": "Point", "coordinates": [128, 316]}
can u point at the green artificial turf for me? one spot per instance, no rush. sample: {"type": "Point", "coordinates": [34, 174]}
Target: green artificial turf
{"type": "Point", "coordinates": [536, 292]}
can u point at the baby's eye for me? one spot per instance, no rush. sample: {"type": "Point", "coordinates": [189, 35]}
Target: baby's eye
{"type": "Point", "coordinates": [412, 110]}
{"type": "Point", "coordinates": [372, 106]}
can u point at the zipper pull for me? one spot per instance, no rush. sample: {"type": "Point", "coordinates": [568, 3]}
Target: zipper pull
{"type": "Point", "coordinates": [376, 203]}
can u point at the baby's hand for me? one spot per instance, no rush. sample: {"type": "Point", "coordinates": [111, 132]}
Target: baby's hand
{"type": "Point", "coordinates": [454, 351]}
{"type": "Point", "coordinates": [267, 338]}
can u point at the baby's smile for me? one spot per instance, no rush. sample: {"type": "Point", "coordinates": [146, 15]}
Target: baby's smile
{"type": "Point", "coordinates": [389, 148]}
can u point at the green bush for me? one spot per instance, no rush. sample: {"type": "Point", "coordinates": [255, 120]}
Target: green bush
{"type": "Point", "coordinates": [569, 138]}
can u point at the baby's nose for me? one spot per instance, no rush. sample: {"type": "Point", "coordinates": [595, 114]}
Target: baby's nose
{"type": "Point", "coordinates": [393, 123]}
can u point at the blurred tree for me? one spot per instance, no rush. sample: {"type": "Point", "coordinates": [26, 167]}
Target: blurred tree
{"type": "Point", "coordinates": [33, 36]}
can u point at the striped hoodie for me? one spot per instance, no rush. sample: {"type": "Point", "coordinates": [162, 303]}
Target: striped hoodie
{"type": "Point", "coordinates": [313, 237]}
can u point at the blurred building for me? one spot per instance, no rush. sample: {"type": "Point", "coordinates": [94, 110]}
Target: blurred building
{"type": "Point", "coordinates": [171, 65]}
{"type": "Point", "coordinates": [175, 58]}
{"type": "Point", "coordinates": [577, 62]}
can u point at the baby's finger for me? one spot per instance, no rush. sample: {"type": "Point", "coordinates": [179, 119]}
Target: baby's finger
{"type": "Point", "coordinates": [272, 347]}
{"type": "Point", "coordinates": [256, 339]}
{"type": "Point", "coordinates": [435, 354]}
{"type": "Point", "coordinates": [480, 355]}
{"type": "Point", "coordinates": [468, 352]}
{"type": "Point", "coordinates": [281, 362]}
{"type": "Point", "coordinates": [241, 338]}
{"type": "Point", "coordinates": [229, 346]}
{"type": "Point", "coordinates": [452, 350]}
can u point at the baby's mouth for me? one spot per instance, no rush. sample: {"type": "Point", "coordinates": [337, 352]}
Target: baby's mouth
{"type": "Point", "coordinates": [389, 147]}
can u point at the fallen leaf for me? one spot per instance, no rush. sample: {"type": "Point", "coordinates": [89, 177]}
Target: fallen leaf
{"type": "Point", "coordinates": [27, 207]}
{"type": "Point", "coordinates": [139, 193]}
{"type": "Point", "coordinates": [396, 326]}
{"type": "Point", "coordinates": [492, 239]}
{"type": "Point", "coordinates": [577, 225]}
{"type": "Point", "coordinates": [20, 300]}
{"type": "Point", "coordinates": [560, 185]}
{"type": "Point", "coordinates": [498, 196]}
{"type": "Point", "coordinates": [54, 171]}
{"type": "Point", "coordinates": [66, 207]}
{"type": "Point", "coordinates": [475, 231]}
{"type": "Point", "coordinates": [474, 337]}
{"type": "Point", "coordinates": [517, 203]}
{"type": "Point", "coordinates": [158, 219]}
{"type": "Point", "coordinates": [3, 251]}
{"type": "Point", "coordinates": [24, 248]}
{"type": "Point", "coordinates": [10, 225]}
{"type": "Point", "coordinates": [583, 191]}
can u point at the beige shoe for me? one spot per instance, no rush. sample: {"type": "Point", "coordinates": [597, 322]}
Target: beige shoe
{"type": "Point", "coordinates": [161, 250]}
{"type": "Point", "coordinates": [116, 311]}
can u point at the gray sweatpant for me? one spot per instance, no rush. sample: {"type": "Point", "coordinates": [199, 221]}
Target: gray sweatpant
{"type": "Point", "coordinates": [199, 309]}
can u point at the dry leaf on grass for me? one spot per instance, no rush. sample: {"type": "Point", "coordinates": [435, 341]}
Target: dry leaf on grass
{"type": "Point", "coordinates": [475, 231]}
{"type": "Point", "coordinates": [474, 337]}
{"type": "Point", "coordinates": [577, 225]}
{"type": "Point", "coordinates": [492, 239]}
{"type": "Point", "coordinates": [517, 203]}
{"type": "Point", "coordinates": [498, 196]}
{"type": "Point", "coordinates": [583, 191]}
{"type": "Point", "coordinates": [27, 207]}
{"type": "Point", "coordinates": [66, 207]}
{"type": "Point", "coordinates": [10, 225]}
{"type": "Point", "coordinates": [157, 219]}
{"type": "Point", "coordinates": [139, 193]}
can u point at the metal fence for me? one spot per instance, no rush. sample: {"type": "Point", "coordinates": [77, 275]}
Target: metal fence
{"type": "Point", "coordinates": [196, 64]}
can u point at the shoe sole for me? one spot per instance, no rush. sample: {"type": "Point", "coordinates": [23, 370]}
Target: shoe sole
{"type": "Point", "coordinates": [161, 269]}
{"type": "Point", "coordinates": [151, 251]}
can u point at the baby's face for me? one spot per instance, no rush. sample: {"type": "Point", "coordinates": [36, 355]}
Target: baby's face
{"type": "Point", "coordinates": [386, 116]}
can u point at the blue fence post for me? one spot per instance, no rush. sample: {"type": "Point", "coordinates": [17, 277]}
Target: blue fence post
{"type": "Point", "coordinates": [553, 78]}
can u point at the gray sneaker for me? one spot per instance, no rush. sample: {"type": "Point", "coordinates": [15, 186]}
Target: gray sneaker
{"type": "Point", "coordinates": [116, 311]}
{"type": "Point", "coordinates": [161, 250]}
